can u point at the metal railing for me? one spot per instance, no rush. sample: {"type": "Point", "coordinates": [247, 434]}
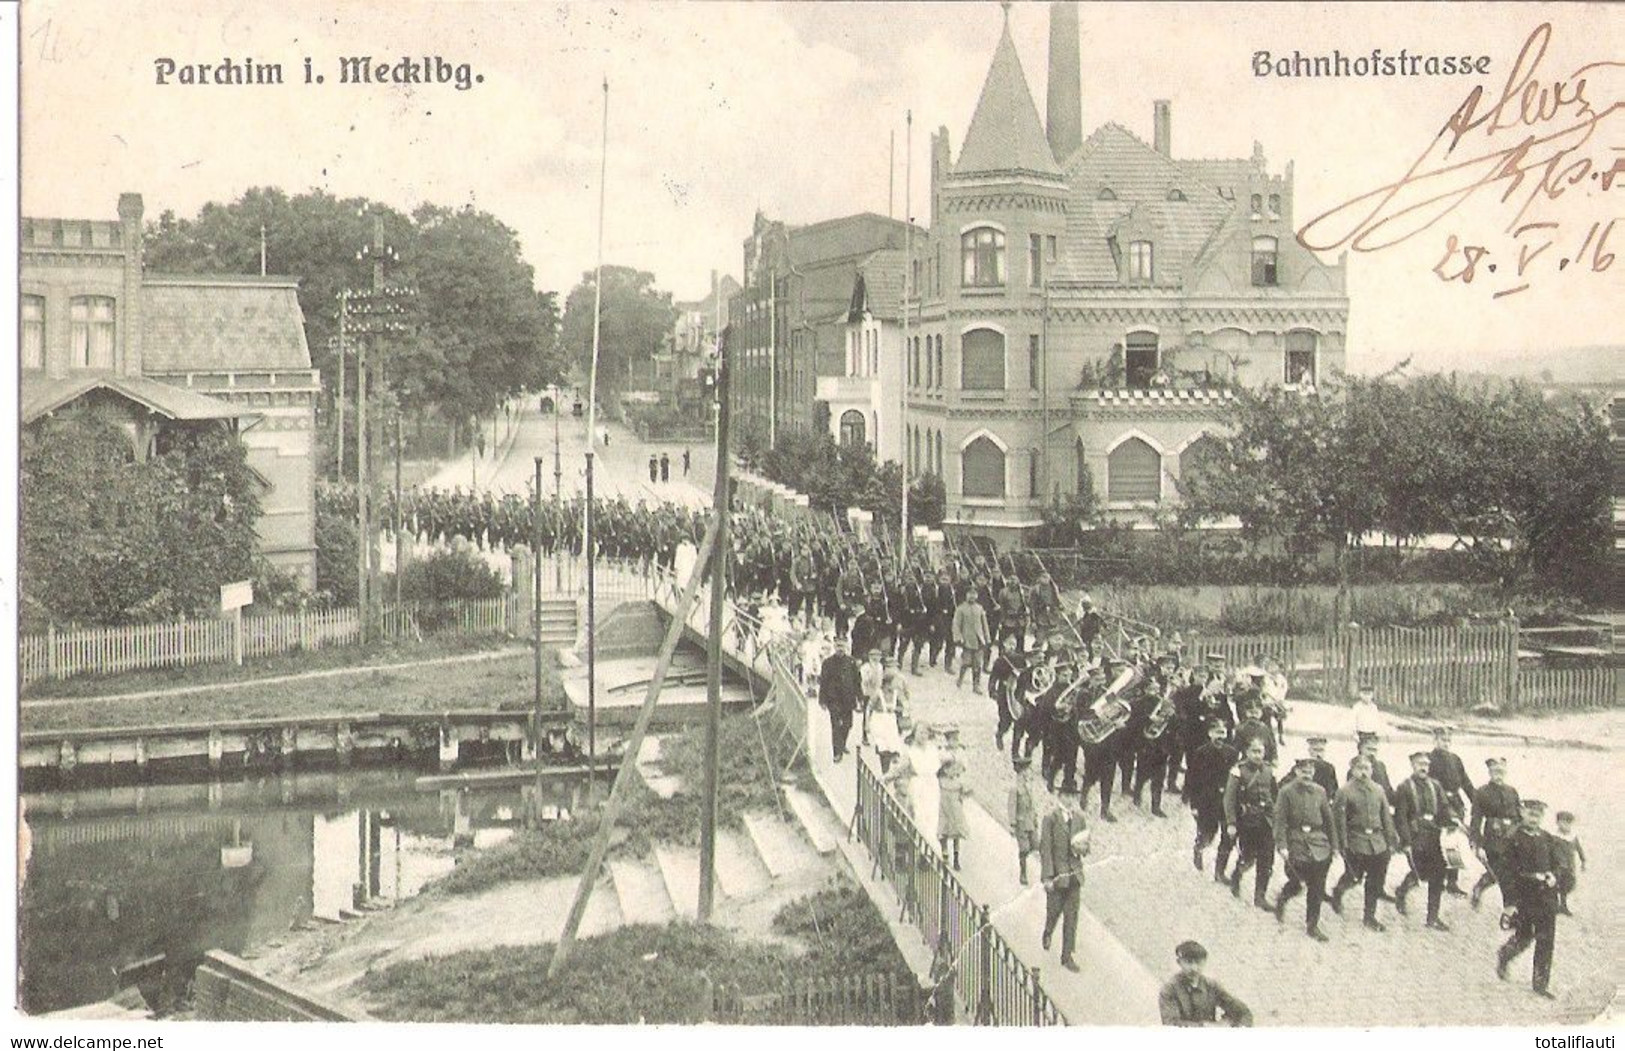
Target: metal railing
{"type": "Point", "coordinates": [973, 961]}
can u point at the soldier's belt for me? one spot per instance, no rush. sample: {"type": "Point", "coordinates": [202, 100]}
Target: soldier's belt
{"type": "Point", "coordinates": [1310, 828]}
{"type": "Point", "coordinates": [1370, 831]}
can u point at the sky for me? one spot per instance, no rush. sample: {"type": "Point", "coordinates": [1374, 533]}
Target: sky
{"type": "Point", "coordinates": [717, 110]}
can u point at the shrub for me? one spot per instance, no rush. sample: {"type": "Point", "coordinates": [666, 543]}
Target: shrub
{"type": "Point", "coordinates": [449, 574]}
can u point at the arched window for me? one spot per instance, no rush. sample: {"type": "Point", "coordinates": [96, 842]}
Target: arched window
{"type": "Point", "coordinates": [1258, 206]}
{"type": "Point", "coordinates": [1275, 206]}
{"type": "Point", "coordinates": [91, 332]}
{"type": "Point", "coordinates": [1300, 358]}
{"type": "Point", "coordinates": [940, 471]}
{"type": "Point", "coordinates": [1134, 473]}
{"type": "Point", "coordinates": [940, 373]}
{"type": "Point", "coordinates": [1080, 468]}
{"type": "Point", "coordinates": [1032, 472]}
{"type": "Point", "coordinates": [982, 469]}
{"type": "Point", "coordinates": [33, 308]}
{"type": "Point", "coordinates": [981, 360]}
{"type": "Point", "coordinates": [854, 431]}
{"type": "Point", "coordinates": [930, 372]}
{"type": "Point", "coordinates": [982, 258]}
{"type": "Point", "coordinates": [1140, 359]}
{"type": "Point", "coordinates": [1264, 274]}
{"type": "Point", "coordinates": [1106, 194]}
{"type": "Point", "coordinates": [1200, 458]}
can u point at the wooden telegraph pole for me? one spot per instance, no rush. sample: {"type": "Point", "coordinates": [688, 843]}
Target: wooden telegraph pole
{"type": "Point", "coordinates": [713, 660]}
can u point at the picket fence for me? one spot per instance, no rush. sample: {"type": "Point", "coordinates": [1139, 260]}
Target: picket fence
{"type": "Point", "coordinates": [107, 651]}
{"type": "Point", "coordinates": [873, 999]}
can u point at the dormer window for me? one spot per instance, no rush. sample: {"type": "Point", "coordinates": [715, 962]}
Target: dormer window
{"type": "Point", "coordinates": [1176, 194]}
{"type": "Point", "coordinates": [1106, 194]}
{"type": "Point", "coordinates": [1139, 262]}
{"type": "Point", "coordinates": [1264, 265]}
{"type": "Point", "coordinates": [982, 258]}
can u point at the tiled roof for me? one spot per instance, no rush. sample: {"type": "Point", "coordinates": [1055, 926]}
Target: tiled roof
{"type": "Point", "coordinates": [882, 275]}
{"type": "Point", "coordinates": [221, 324]}
{"type": "Point", "coordinates": [1140, 180]}
{"type": "Point", "coordinates": [40, 396]}
{"type": "Point", "coordinates": [1006, 133]}
{"type": "Point", "coordinates": [844, 238]}
{"type": "Point", "coordinates": [1230, 172]}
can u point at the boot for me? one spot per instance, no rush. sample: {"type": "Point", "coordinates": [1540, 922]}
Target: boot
{"type": "Point", "coordinates": [1023, 870]}
{"type": "Point", "coordinates": [1372, 924]}
{"type": "Point", "coordinates": [1479, 888]}
{"type": "Point", "coordinates": [1106, 815]}
{"type": "Point", "coordinates": [1318, 934]}
{"type": "Point", "coordinates": [1280, 907]}
{"type": "Point", "coordinates": [1235, 882]}
{"type": "Point", "coordinates": [1261, 902]}
{"type": "Point", "coordinates": [1336, 898]}
{"type": "Point", "coordinates": [1501, 962]}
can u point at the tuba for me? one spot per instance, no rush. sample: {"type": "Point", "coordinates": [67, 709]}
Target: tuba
{"type": "Point", "coordinates": [1161, 715]}
{"type": "Point", "coordinates": [1110, 712]}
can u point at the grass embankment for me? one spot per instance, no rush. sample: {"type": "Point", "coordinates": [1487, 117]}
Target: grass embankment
{"type": "Point", "coordinates": [747, 781]}
{"type": "Point", "coordinates": [500, 681]}
{"type": "Point", "coordinates": [639, 973]}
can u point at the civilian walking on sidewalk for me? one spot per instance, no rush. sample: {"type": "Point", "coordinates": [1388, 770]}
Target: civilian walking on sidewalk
{"type": "Point", "coordinates": [840, 691]}
{"type": "Point", "coordinates": [1063, 842]}
{"type": "Point", "coordinates": [1023, 814]}
{"type": "Point", "coordinates": [972, 637]}
{"type": "Point", "coordinates": [1192, 999]}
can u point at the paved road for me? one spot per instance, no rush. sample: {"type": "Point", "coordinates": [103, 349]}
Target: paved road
{"type": "Point", "coordinates": [619, 469]}
{"type": "Point", "coordinates": [1142, 887]}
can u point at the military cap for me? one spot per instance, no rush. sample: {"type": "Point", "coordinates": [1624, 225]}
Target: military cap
{"type": "Point", "coordinates": [1440, 731]}
{"type": "Point", "coordinates": [1368, 735]}
{"type": "Point", "coordinates": [1304, 764]}
{"type": "Point", "coordinates": [1190, 951]}
{"type": "Point", "coordinates": [1216, 658]}
{"type": "Point", "coordinates": [1253, 671]}
{"type": "Point", "coordinates": [1086, 601]}
{"type": "Point", "coordinates": [1421, 755]}
{"type": "Point", "coordinates": [1317, 740]}
{"type": "Point", "coordinates": [1533, 804]}
{"type": "Point", "coordinates": [1495, 761]}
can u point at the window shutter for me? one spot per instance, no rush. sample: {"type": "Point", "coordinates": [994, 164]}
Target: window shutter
{"type": "Point", "coordinates": [1133, 473]}
{"type": "Point", "coordinates": [983, 468]}
{"type": "Point", "coordinates": [982, 360]}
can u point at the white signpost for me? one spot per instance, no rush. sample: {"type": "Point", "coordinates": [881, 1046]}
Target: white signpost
{"type": "Point", "coordinates": [233, 597]}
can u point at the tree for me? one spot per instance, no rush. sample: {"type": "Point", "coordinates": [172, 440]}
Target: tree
{"type": "Point", "coordinates": [483, 331]}
{"type": "Point", "coordinates": [108, 539]}
{"type": "Point", "coordinates": [635, 319]}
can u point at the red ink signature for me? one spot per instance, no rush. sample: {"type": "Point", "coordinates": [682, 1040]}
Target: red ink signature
{"type": "Point", "coordinates": [1528, 138]}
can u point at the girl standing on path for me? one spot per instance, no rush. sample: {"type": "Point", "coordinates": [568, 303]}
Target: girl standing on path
{"type": "Point", "coordinates": [951, 793]}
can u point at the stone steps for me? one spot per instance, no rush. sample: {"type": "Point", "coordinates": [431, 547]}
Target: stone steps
{"type": "Point", "coordinates": [781, 847]}
{"type": "Point", "coordinates": [741, 872]}
{"type": "Point", "coordinates": [680, 871]}
{"type": "Point", "coordinates": [641, 892]}
{"type": "Point", "coordinates": [821, 827]}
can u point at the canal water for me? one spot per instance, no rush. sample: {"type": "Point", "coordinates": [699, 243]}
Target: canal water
{"type": "Point", "coordinates": [119, 876]}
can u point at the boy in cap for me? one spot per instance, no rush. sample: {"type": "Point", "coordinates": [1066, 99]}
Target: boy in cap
{"type": "Point", "coordinates": [1535, 866]}
{"type": "Point", "coordinates": [1569, 842]}
{"type": "Point", "coordinates": [1023, 814]}
{"type": "Point", "coordinates": [1191, 998]}
{"type": "Point", "coordinates": [1496, 813]}
{"type": "Point", "coordinates": [1368, 720]}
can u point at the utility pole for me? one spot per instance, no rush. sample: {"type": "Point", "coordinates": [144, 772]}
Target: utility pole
{"type": "Point", "coordinates": [713, 680]}
{"type": "Point", "coordinates": [343, 351]}
{"type": "Point", "coordinates": [536, 625]}
{"type": "Point", "coordinates": [592, 423]}
{"type": "Point", "coordinates": [400, 563]}
{"type": "Point", "coordinates": [363, 542]}
{"type": "Point", "coordinates": [558, 489]}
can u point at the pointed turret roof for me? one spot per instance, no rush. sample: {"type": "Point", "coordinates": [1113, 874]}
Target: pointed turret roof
{"type": "Point", "coordinates": [1006, 133]}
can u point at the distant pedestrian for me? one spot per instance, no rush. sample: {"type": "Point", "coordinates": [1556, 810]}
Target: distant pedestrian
{"type": "Point", "coordinates": [840, 690]}
{"type": "Point", "coordinates": [1023, 814]}
{"type": "Point", "coordinates": [685, 463]}
{"type": "Point", "coordinates": [1368, 721]}
{"type": "Point", "coordinates": [1192, 999]}
{"type": "Point", "coordinates": [654, 466]}
{"type": "Point", "coordinates": [665, 468]}
{"type": "Point", "coordinates": [606, 437]}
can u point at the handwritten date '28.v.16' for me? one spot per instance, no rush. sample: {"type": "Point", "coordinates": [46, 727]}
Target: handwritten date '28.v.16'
{"type": "Point", "coordinates": [1535, 144]}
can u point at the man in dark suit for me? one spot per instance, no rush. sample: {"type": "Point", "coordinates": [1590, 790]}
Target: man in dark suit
{"type": "Point", "coordinates": [1535, 867]}
{"type": "Point", "coordinates": [840, 692]}
{"type": "Point", "coordinates": [940, 602]}
{"type": "Point", "coordinates": [1253, 728]}
{"type": "Point", "coordinates": [1062, 843]}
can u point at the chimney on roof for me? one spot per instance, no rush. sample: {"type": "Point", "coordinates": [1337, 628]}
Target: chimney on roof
{"type": "Point", "coordinates": [1064, 116]}
{"type": "Point", "coordinates": [1163, 127]}
{"type": "Point", "coordinates": [128, 346]}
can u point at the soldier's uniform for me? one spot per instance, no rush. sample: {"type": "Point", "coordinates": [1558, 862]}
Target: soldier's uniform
{"type": "Point", "coordinates": [1420, 815]}
{"type": "Point", "coordinates": [1303, 823]}
{"type": "Point", "coordinates": [1535, 866]}
{"type": "Point", "coordinates": [1495, 815]}
{"type": "Point", "coordinates": [1366, 830]}
{"type": "Point", "coordinates": [940, 603]}
{"type": "Point", "coordinates": [1249, 807]}
{"type": "Point", "coordinates": [916, 625]}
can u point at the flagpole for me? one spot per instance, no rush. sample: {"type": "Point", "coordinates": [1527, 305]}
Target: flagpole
{"type": "Point", "coordinates": [908, 270]}
{"type": "Point", "coordinates": [587, 547]}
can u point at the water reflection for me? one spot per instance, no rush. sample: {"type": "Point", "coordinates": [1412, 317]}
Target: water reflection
{"type": "Point", "coordinates": [117, 876]}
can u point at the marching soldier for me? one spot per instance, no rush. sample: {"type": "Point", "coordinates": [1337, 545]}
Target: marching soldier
{"type": "Point", "coordinates": [803, 581]}
{"type": "Point", "coordinates": [1306, 837]}
{"type": "Point", "coordinates": [1420, 816]}
{"type": "Point", "coordinates": [849, 597]}
{"type": "Point", "coordinates": [1446, 767]}
{"type": "Point", "coordinates": [1205, 779]}
{"type": "Point", "coordinates": [1496, 813]}
{"type": "Point", "coordinates": [1535, 867]}
{"type": "Point", "coordinates": [1366, 832]}
{"type": "Point", "coordinates": [940, 605]}
{"type": "Point", "coordinates": [1249, 807]}
{"type": "Point", "coordinates": [1253, 728]}
{"type": "Point", "coordinates": [916, 624]}
{"type": "Point", "coordinates": [1325, 773]}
